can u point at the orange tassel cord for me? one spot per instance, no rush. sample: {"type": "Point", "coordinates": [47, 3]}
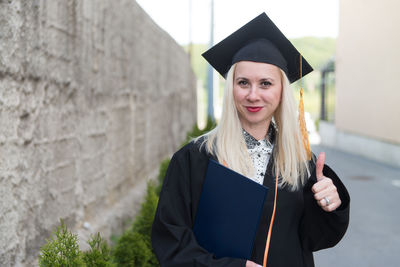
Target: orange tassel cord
{"type": "Point", "coordinates": [302, 120]}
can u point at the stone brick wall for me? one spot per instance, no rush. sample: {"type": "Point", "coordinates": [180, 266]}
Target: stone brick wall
{"type": "Point", "coordinates": [93, 95]}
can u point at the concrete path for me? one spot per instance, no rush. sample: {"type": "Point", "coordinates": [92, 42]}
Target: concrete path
{"type": "Point", "coordinates": [373, 237]}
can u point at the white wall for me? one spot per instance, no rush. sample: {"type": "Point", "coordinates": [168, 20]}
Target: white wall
{"type": "Point", "coordinates": [368, 69]}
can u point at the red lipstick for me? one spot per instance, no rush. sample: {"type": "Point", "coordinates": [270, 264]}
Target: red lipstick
{"type": "Point", "coordinates": [254, 109]}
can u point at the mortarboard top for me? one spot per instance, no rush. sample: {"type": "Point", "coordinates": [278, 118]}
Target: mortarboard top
{"type": "Point", "coordinates": [259, 41]}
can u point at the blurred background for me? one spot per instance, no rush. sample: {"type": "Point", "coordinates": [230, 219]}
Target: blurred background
{"type": "Point", "coordinates": [95, 94]}
{"type": "Point", "coordinates": [311, 25]}
{"type": "Point", "coordinates": [351, 46]}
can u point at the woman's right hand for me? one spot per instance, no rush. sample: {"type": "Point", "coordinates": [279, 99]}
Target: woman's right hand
{"type": "Point", "coordinates": [252, 264]}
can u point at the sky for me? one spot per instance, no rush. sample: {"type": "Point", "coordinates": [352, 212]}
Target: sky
{"type": "Point", "coordinates": [295, 18]}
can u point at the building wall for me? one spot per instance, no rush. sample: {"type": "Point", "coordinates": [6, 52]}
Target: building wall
{"type": "Point", "coordinates": [93, 95]}
{"type": "Point", "coordinates": [367, 69]}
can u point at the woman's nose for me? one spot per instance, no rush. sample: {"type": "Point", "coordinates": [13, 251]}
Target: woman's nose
{"type": "Point", "coordinates": [253, 94]}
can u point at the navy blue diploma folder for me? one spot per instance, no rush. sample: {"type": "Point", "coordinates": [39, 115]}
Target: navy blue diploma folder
{"type": "Point", "coordinates": [229, 212]}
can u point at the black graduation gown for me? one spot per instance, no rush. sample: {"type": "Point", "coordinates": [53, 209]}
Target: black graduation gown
{"type": "Point", "coordinates": [300, 226]}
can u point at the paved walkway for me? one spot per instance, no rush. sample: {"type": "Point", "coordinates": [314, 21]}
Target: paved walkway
{"type": "Point", "coordinates": [373, 237]}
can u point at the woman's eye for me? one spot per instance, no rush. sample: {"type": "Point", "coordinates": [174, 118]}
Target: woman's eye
{"type": "Point", "coordinates": [266, 84]}
{"type": "Point", "coordinates": [243, 83]}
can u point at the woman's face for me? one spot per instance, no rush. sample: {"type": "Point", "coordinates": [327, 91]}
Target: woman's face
{"type": "Point", "coordinates": [257, 90]}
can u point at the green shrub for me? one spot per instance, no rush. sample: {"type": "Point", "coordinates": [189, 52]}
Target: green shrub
{"type": "Point", "coordinates": [145, 218]}
{"type": "Point", "coordinates": [99, 254]}
{"type": "Point", "coordinates": [195, 132]}
{"type": "Point", "coordinates": [132, 250]}
{"type": "Point", "coordinates": [61, 249]}
{"type": "Point", "coordinates": [144, 221]}
{"type": "Point", "coordinates": [161, 174]}
{"type": "Point", "coordinates": [134, 247]}
{"type": "Point", "coordinates": [209, 126]}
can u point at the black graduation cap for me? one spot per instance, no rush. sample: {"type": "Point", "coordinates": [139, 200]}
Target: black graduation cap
{"type": "Point", "coordinates": [260, 41]}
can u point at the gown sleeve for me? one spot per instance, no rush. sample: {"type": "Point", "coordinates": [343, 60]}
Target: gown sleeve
{"type": "Point", "coordinates": [173, 240]}
{"type": "Point", "coordinates": [320, 229]}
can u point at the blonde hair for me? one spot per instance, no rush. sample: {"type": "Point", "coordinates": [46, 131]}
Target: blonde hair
{"type": "Point", "coordinates": [227, 144]}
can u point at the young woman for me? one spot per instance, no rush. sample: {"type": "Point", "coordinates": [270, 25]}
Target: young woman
{"type": "Point", "coordinates": [258, 136]}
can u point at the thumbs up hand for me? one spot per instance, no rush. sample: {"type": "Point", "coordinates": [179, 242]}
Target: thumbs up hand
{"type": "Point", "coordinates": [325, 192]}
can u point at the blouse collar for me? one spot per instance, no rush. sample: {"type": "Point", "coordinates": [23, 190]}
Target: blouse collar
{"type": "Point", "coordinates": [269, 139]}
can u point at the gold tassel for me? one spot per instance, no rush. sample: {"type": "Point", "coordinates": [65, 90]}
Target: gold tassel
{"type": "Point", "coordinates": [302, 120]}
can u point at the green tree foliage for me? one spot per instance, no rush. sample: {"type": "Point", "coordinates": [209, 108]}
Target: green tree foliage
{"type": "Point", "coordinates": [199, 64]}
{"type": "Point", "coordinates": [134, 247]}
{"type": "Point", "coordinates": [144, 221]}
{"type": "Point", "coordinates": [99, 254]}
{"type": "Point", "coordinates": [316, 50]}
{"type": "Point", "coordinates": [161, 174]}
{"type": "Point", "coordinates": [195, 132]}
{"type": "Point", "coordinates": [61, 249]}
{"type": "Point", "coordinates": [132, 250]}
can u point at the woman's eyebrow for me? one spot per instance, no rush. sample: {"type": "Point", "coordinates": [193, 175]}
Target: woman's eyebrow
{"type": "Point", "coordinates": [241, 78]}
{"type": "Point", "coordinates": [261, 79]}
{"type": "Point", "coordinates": [267, 79]}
